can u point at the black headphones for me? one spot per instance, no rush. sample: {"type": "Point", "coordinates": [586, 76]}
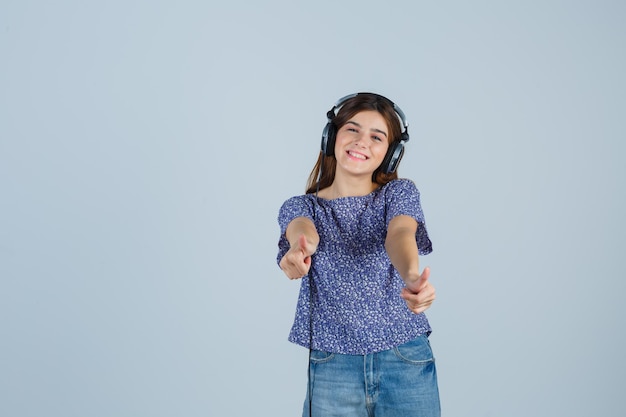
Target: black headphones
{"type": "Point", "coordinates": [396, 148]}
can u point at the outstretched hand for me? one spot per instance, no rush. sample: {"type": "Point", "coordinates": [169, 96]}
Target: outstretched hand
{"type": "Point", "coordinates": [297, 261]}
{"type": "Point", "coordinates": [419, 295]}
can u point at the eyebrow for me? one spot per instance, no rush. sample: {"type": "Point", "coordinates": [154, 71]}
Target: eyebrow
{"type": "Point", "coordinates": [373, 130]}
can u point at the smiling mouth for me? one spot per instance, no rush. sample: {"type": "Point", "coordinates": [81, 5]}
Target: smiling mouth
{"type": "Point", "coordinates": [357, 155]}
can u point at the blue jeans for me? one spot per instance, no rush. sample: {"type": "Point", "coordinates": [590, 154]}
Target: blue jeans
{"type": "Point", "coordinates": [399, 382]}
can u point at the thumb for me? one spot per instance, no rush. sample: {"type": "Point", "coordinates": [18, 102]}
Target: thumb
{"type": "Point", "coordinates": [303, 244]}
{"type": "Point", "coordinates": [423, 278]}
{"type": "Point", "coordinates": [304, 247]}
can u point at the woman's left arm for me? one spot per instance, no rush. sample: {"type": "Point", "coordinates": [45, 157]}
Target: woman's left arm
{"type": "Point", "coordinates": [402, 249]}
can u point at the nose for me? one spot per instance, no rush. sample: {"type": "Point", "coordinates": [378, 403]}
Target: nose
{"type": "Point", "coordinates": [360, 140]}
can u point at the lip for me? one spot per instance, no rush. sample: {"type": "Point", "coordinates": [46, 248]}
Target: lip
{"type": "Point", "coordinates": [355, 158]}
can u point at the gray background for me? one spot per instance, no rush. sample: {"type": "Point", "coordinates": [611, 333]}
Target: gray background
{"type": "Point", "coordinates": [146, 146]}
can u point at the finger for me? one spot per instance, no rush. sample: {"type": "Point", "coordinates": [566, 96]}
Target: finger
{"type": "Point", "coordinates": [418, 303]}
{"type": "Point", "coordinates": [303, 243]}
{"type": "Point", "coordinates": [426, 273]}
{"type": "Point", "coordinates": [297, 272]}
{"type": "Point", "coordinates": [423, 281]}
{"type": "Point", "coordinates": [427, 296]}
{"type": "Point", "coordinates": [405, 293]}
{"type": "Point", "coordinates": [419, 308]}
{"type": "Point", "coordinates": [295, 264]}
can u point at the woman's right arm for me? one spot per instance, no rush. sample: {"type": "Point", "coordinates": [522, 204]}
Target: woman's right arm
{"type": "Point", "coordinates": [303, 240]}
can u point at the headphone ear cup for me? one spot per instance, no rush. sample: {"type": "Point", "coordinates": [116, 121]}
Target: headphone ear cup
{"type": "Point", "coordinates": [393, 157]}
{"type": "Point", "coordinates": [328, 139]}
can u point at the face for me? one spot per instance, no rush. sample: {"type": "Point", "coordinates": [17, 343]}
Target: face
{"type": "Point", "coordinates": [361, 144]}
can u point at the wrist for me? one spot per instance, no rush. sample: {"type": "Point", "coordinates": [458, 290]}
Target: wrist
{"type": "Point", "coordinates": [411, 278]}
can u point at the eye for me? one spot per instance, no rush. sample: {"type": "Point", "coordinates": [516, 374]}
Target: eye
{"type": "Point", "coordinates": [352, 129]}
{"type": "Point", "coordinates": [377, 138]}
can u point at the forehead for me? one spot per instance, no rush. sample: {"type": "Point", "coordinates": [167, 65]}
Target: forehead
{"type": "Point", "coordinates": [370, 118]}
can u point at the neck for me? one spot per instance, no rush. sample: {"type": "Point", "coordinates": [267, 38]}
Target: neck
{"type": "Point", "coordinates": [352, 187]}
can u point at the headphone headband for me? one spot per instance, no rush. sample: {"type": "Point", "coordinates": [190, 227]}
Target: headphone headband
{"type": "Point", "coordinates": [330, 115]}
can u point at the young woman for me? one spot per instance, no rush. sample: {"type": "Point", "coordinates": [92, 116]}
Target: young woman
{"type": "Point", "coordinates": [355, 238]}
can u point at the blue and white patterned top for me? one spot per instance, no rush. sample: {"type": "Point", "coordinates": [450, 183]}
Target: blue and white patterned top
{"type": "Point", "coordinates": [356, 306]}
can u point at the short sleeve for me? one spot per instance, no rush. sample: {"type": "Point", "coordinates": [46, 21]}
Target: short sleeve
{"type": "Point", "coordinates": [299, 206]}
{"type": "Point", "coordinates": [403, 198]}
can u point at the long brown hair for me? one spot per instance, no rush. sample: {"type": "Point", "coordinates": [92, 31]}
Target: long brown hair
{"type": "Point", "coordinates": [323, 173]}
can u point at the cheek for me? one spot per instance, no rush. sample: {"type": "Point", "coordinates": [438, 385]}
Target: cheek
{"type": "Point", "coordinates": [382, 150]}
{"type": "Point", "coordinates": [342, 140]}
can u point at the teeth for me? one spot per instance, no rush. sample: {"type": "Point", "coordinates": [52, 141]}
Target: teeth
{"type": "Point", "coordinates": [357, 155]}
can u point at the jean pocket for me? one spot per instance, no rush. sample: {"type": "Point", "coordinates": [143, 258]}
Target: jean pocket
{"type": "Point", "coordinates": [320, 356]}
{"type": "Point", "coordinates": [416, 351]}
